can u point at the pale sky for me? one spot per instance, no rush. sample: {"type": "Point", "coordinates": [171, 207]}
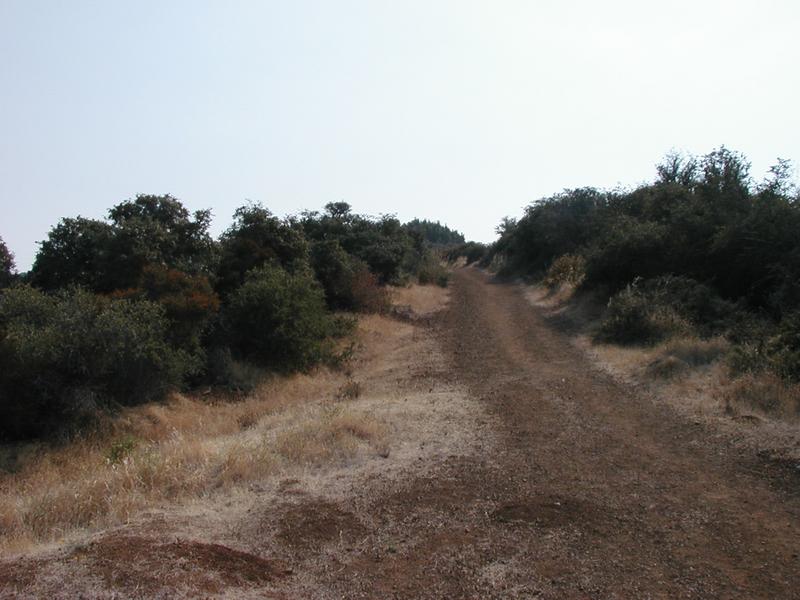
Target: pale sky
{"type": "Point", "coordinates": [455, 110]}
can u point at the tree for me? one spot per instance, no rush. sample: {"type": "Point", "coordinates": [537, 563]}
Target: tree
{"type": "Point", "coordinates": [76, 252]}
{"type": "Point", "coordinates": [257, 238]}
{"type": "Point", "coordinates": [104, 257]}
{"type": "Point", "coordinates": [7, 266]}
{"type": "Point", "coordinates": [160, 230]}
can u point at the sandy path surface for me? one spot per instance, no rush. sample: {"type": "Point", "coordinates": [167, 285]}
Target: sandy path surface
{"type": "Point", "coordinates": [556, 482]}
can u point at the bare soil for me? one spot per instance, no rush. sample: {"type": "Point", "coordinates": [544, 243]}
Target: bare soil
{"type": "Point", "coordinates": [570, 485]}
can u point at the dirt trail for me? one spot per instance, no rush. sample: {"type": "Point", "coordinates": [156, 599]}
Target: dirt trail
{"type": "Point", "coordinates": [575, 487]}
{"type": "Point", "coordinates": [592, 492]}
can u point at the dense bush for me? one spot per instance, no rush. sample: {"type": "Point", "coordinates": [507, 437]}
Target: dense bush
{"type": "Point", "coordinates": [257, 238]}
{"type": "Point", "coordinates": [106, 256]}
{"type": "Point", "coordinates": [278, 319]}
{"type": "Point", "coordinates": [126, 308]}
{"type": "Point", "coordinates": [6, 265]}
{"type": "Point", "coordinates": [472, 252]}
{"type": "Point", "coordinates": [391, 251]}
{"type": "Point", "coordinates": [435, 233]}
{"type": "Point", "coordinates": [431, 271]}
{"type": "Point", "coordinates": [784, 349]}
{"type": "Point", "coordinates": [632, 317]}
{"type": "Point", "coordinates": [189, 302]}
{"type": "Point", "coordinates": [734, 243]}
{"type": "Point", "coordinates": [335, 270]}
{"type": "Point", "coordinates": [625, 250]}
{"type": "Point", "coordinates": [569, 269]}
{"type": "Point", "coordinates": [68, 354]}
{"type": "Point", "coordinates": [650, 310]}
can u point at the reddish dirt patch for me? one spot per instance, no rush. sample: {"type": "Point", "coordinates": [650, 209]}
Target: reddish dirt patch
{"type": "Point", "coordinates": [547, 512]}
{"type": "Point", "coordinates": [126, 562]}
{"type": "Point", "coordinates": [311, 524]}
{"type": "Point", "coordinates": [17, 576]}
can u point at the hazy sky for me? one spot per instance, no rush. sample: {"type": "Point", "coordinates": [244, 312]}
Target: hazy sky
{"type": "Point", "coordinates": [446, 109]}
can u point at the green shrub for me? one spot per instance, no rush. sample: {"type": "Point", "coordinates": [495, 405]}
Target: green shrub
{"type": "Point", "coordinates": [624, 251]}
{"type": "Point", "coordinates": [569, 269]}
{"type": "Point", "coordinates": [432, 272]}
{"type": "Point", "coordinates": [783, 350]}
{"type": "Point", "coordinates": [472, 252]}
{"type": "Point", "coordinates": [632, 317]}
{"type": "Point", "coordinates": [278, 319]}
{"type": "Point", "coordinates": [65, 356]}
{"type": "Point", "coordinates": [335, 270]}
{"type": "Point", "coordinates": [223, 370]}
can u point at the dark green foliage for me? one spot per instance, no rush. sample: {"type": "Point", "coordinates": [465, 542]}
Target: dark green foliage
{"type": "Point", "coordinates": [256, 238]}
{"type": "Point", "coordinates": [103, 256]}
{"type": "Point", "coordinates": [6, 265]}
{"type": "Point", "coordinates": [472, 251]}
{"type": "Point", "coordinates": [650, 310]}
{"type": "Point", "coordinates": [160, 230]}
{"type": "Point", "coordinates": [702, 221]}
{"type": "Point", "coordinates": [223, 370]}
{"type": "Point", "coordinates": [76, 252]}
{"type": "Point", "coordinates": [633, 318]}
{"type": "Point", "coordinates": [627, 249]}
{"type": "Point", "coordinates": [783, 350]}
{"type": "Point", "coordinates": [189, 302]}
{"type": "Point", "coordinates": [278, 319]}
{"type": "Point", "coordinates": [146, 301]}
{"type": "Point", "coordinates": [391, 251]}
{"type": "Point", "coordinates": [68, 354]}
{"type": "Point", "coordinates": [432, 272]}
{"type": "Point", "coordinates": [335, 270]}
{"type": "Point", "coordinates": [435, 233]}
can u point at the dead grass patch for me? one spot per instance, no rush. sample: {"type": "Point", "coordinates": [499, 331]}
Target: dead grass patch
{"type": "Point", "coordinates": [696, 352]}
{"type": "Point", "coordinates": [186, 447]}
{"type": "Point", "coordinates": [333, 435]}
{"type": "Point", "coordinates": [423, 300]}
{"type": "Point", "coordinates": [764, 393]}
{"type": "Point", "coordinates": [678, 355]}
{"type": "Point", "coordinates": [190, 448]}
{"type": "Point", "coordinates": [351, 390]}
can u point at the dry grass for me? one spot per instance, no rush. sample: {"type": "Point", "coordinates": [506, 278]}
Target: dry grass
{"type": "Point", "coordinates": [186, 448]}
{"type": "Point", "coordinates": [678, 355]}
{"type": "Point", "coordinates": [422, 299]}
{"type": "Point", "coordinates": [764, 393]}
{"type": "Point", "coordinates": [195, 447]}
{"type": "Point", "coordinates": [329, 436]}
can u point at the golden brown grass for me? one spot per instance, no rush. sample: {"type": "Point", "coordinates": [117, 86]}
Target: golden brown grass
{"type": "Point", "coordinates": [182, 449]}
{"type": "Point", "coordinates": [423, 299]}
{"type": "Point", "coordinates": [765, 393]}
{"type": "Point", "coordinates": [678, 355]}
{"type": "Point", "coordinates": [193, 447]}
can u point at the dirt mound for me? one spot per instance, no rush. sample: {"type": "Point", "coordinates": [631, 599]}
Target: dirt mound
{"type": "Point", "coordinates": [312, 524]}
{"type": "Point", "coordinates": [145, 567]}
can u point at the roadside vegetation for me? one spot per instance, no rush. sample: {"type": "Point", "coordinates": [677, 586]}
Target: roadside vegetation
{"type": "Point", "coordinates": [123, 311]}
{"type": "Point", "coordinates": [704, 258]}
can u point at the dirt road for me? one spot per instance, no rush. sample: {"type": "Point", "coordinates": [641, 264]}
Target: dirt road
{"type": "Point", "coordinates": [574, 487]}
{"type": "Point", "coordinates": [592, 491]}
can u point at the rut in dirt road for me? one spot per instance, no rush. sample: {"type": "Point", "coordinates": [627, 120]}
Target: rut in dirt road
{"type": "Point", "coordinates": [592, 492]}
